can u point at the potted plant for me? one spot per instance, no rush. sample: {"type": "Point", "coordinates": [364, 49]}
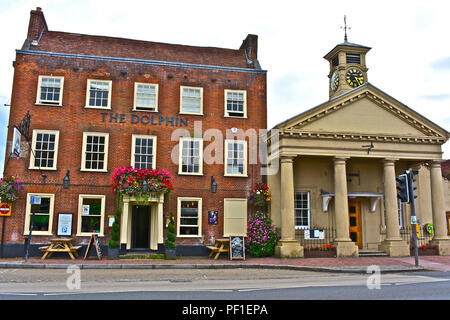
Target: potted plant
{"type": "Point", "coordinates": [170, 246]}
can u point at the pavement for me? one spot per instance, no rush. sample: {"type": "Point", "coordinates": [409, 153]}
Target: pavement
{"type": "Point", "coordinates": [345, 265]}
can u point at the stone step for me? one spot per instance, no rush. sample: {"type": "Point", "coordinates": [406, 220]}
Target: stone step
{"type": "Point", "coordinates": [372, 253]}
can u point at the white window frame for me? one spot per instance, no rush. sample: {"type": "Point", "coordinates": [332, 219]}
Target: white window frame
{"type": "Point", "coordinates": [244, 112]}
{"type": "Point", "coordinates": [88, 90]}
{"type": "Point", "coordinates": [136, 107]}
{"type": "Point", "coordinates": [83, 151]}
{"type": "Point", "coordinates": [133, 147]}
{"type": "Point", "coordinates": [180, 159]}
{"type": "Point", "coordinates": [33, 149]}
{"type": "Point", "coordinates": [244, 174]}
{"type": "Point", "coordinates": [81, 197]}
{"type": "Point", "coordinates": [48, 102]}
{"type": "Point", "coordinates": [181, 100]}
{"type": "Point", "coordinates": [308, 209]}
{"type": "Point", "coordinates": [199, 218]}
{"type": "Point", "coordinates": [28, 215]}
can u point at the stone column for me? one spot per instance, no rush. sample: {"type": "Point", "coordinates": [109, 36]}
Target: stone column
{"type": "Point", "coordinates": [288, 247]}
{"type": "Point", "coordinates": [440, 238]}
{"type": "Point", "coordinates": [344, 245]}
{"type": "Point", "coordinates": [124, 225]}
{"type": "Point", "coordinates": [393, 244]}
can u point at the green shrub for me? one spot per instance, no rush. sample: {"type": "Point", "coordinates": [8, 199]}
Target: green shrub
{"type": "Point", "coordinates": [170, 241]}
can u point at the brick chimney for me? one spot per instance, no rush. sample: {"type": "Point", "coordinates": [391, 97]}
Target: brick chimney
{"type": "Point", "coordinates": [250, 48]}
{"type": "Point", "coordinates": [37, 24]}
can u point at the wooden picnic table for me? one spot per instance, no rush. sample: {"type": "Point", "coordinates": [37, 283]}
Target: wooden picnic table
{"type": "Point", "coordinates": [220, 245]}
{"type": "Point", "coordinates": [60, 245]}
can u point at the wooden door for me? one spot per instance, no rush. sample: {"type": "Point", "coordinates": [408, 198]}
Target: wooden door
{"type": "Point", "coordinates": [448, 222]}
{"type": "Point", "coordinates": [140, 227]}
{"type": "Point", "coordinates": [354, 216]}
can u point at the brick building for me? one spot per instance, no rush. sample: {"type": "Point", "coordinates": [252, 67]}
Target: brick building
{"type": "Point", "coordinates": [101, 103]}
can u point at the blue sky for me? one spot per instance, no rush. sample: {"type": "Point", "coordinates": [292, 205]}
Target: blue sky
{"type": "Point", "coordinates": [409, 60]}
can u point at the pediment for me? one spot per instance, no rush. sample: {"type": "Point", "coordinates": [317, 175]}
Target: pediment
{"type": "Point", "coordinates": [365, 111]}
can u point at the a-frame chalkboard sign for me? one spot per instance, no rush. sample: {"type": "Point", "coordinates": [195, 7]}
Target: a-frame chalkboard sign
{"type": "Point", "coordinates": [93, 242]}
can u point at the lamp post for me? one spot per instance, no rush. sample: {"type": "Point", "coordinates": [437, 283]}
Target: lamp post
{"type": "Point", "coordinates": [213, 185]}
{"type": "Point", "coordinates": [66, 180]}
{"type": "Point", "coordinates": [144, 187]}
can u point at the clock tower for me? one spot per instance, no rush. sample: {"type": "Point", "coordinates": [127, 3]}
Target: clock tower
{"type": "Point", "coordinates": [347, 67]}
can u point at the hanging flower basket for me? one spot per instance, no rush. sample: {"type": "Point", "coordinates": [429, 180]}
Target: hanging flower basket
{"type": "Point", "coordinates": [10, 187]}
{"type": "Point", "coordinates": [130, 181]}
{"type": "Point", "coordinates": [260, 196]}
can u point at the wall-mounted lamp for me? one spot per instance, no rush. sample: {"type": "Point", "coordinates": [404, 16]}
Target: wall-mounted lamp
{"type": "Point", "coordinates": [144, 187]}
{"type": "Point", "coordinates": [66, 180]}
{"type": "Point", "coordinates": [213, 185]}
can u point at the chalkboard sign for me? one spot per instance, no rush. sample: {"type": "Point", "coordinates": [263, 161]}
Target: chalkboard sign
{"type": "Point", "coordinates": [94, 242]}
{"type": "Point", "coordinates": [237, 247]}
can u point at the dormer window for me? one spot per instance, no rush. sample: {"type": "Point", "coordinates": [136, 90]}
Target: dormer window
{"type": "Point", "coordinates": [353, 58]}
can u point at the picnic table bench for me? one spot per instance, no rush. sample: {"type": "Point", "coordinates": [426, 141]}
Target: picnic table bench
{"type": "Point", "coordinates": [220, 245]}
{"type": "Point", "coordinates": [60, 245]}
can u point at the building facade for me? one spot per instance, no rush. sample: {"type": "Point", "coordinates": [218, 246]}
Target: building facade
{"type": "Point", "coordinates": [339, 162]}
{"type": "Point", "coordinates": [98, 104]}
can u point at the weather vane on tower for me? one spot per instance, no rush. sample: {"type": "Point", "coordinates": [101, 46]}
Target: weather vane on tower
{"type": "Point", "coordinates": [345, 27]}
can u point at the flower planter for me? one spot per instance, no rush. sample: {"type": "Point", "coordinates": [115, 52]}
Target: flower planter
{"type": "Point", "coordinates": [170, 254]}
{"type": "Point", "coordinates": [113, 253]}
{"type": "Point", "coordinates": [425, 252]}
{"type": "Point", "coordinates": [319, 253]}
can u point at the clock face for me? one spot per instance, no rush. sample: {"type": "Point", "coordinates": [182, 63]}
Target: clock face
{"type": "Point", "coordinates": [334, 81]}
{"type": "Point", "coordinates": [354, 77]}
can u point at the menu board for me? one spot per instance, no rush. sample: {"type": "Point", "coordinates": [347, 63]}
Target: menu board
{"type": "Point", "coordinates": [237, 247]}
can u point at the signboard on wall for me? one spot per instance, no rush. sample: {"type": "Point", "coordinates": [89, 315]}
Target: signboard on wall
{"type": "Point", "coordinates": [64, 224]}
{"type": "Point", "coordinates": [314, 234]}
{"type": "Point", "coordinates": [213, 217]}
{"type": "Point", "coordinates": [16, 142]}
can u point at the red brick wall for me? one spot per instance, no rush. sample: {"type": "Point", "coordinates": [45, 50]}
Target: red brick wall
{"type": "Point", "coordinates": [72, 119]}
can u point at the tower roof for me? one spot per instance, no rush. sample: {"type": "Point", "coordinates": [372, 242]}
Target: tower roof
{"type": "Point", "coordinates": [346, 44]}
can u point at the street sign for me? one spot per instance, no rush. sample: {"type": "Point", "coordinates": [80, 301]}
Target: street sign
{"type": "Point", "coordinates": [413, 219]}
{"type": "Point", "coordinates": [35, 199]}
{"type": "Point", "coordinates": [5, 209]}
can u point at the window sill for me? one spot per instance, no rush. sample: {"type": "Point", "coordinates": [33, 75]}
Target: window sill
{"type": "Point", "coordinates": [189, 174]}
{"type": "Point", "coordinates": [235, 117]}
{"type": "Point", "coordinates": [191, 113]}
{"type": "Point", "coordinates": [236, 175]}
{"type": "Point", "coordinates": [189, 236]}
{"type": "Point", "coordinates": [88, 234]}
{"type": "Point", "coordinates": [98, 108]}
{"type": "Point", "coordinates": [39, 233]}
{"type": "Point", "coordinates": [91, 170]}
{"type": "Point", "coordinates": [42, 169]}
{"type": "Point", "coordinates": [48, 104]}
{"type": "Point", "coordinates": [143, 110]}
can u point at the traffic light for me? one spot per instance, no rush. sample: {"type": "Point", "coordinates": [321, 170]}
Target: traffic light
{"type": "Point", "coordinates": [402, 188]}
{"type": "Point", "coordinates": [411, 173]}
